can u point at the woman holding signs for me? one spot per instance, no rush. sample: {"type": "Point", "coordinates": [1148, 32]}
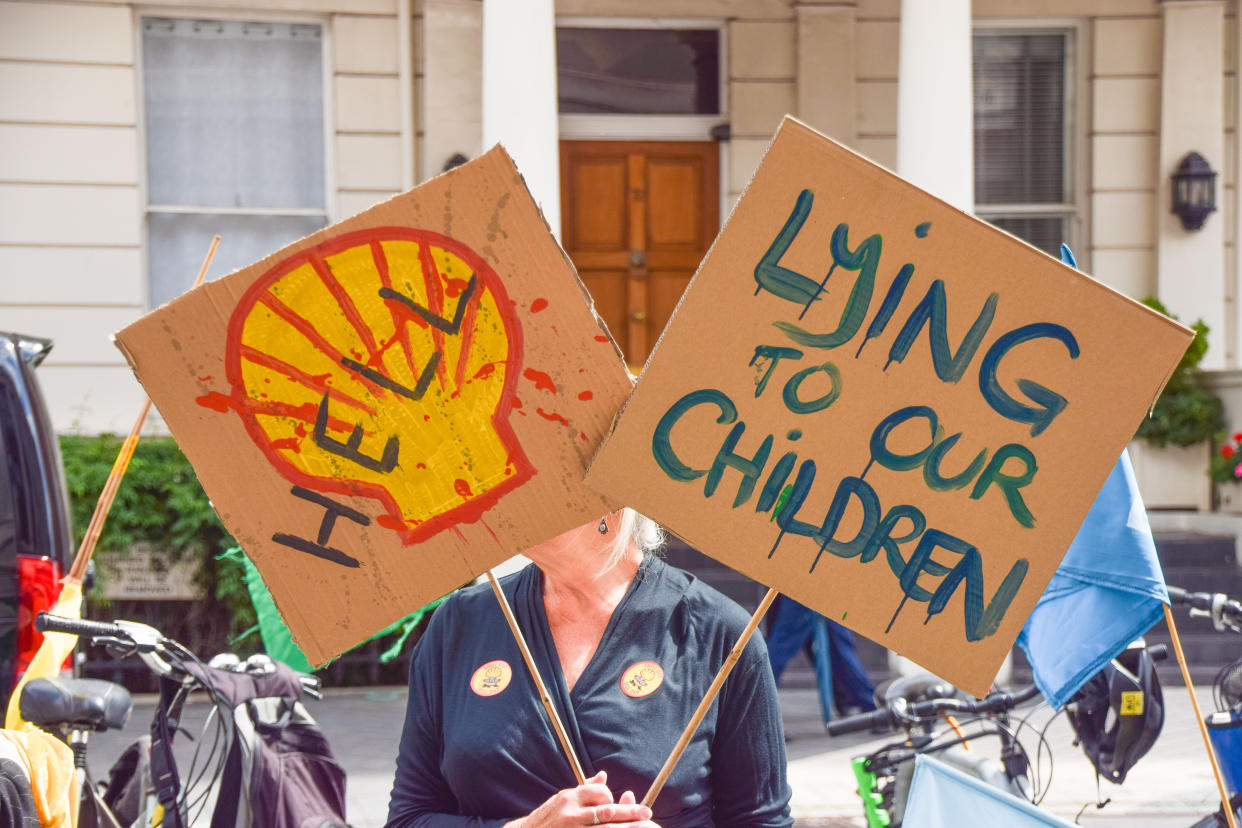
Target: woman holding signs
{"type": "Point", "coordinates": [628, 646]}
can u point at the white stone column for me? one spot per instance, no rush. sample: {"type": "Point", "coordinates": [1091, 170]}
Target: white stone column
{"type": "Point", "coordinates": [1190, 275]}
{"type": "Point", "coordinates": [519, 95]}
{"type": "Point", "coordinates": [935, 126]}
{"type": "Point", "coordinates": [452, 90]}
{"type": "Point", "coordinates": [935, 101]}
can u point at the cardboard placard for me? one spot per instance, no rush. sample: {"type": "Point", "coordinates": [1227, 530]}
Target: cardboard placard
{"type": "Point", "coordinates": [383, 410]}
{"type": "Point", "coordinates": [885, 408]}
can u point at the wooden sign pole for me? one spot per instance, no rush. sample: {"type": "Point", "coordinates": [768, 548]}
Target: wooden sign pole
{"type": "Point", "coordinates": [1194, 701]}
{"type": "Point", "coordinates": [557, 724]}
{"type": "Point", "coordinates": [714, 690]}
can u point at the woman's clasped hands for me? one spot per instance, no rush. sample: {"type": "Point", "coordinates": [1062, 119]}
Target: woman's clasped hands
{"type": "Point", "coordinates": [590, 803]}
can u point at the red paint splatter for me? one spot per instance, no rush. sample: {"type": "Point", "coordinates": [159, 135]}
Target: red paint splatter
{"type": "Point", "coordinates": [205, 379]}
{"type": "Point", "coordinates": [299, 430]}
{"type": "Point", "coordinates": [462, 488]}
{"type": "Point", "coordinates": [601, 338]}
{"type": "Point", "coordinates": [218, 402]}
{"type": "Point", "coordinates": [426, 418]}
{"type": "Point", "coordinates": [552, 415]}
{"type": "Point", "coordinates": [454, 288]}
{"type": "Point", "coordinates": [516, 402]}
{"type": "Point", "coordinates": [542, 381]}
{"type": "Point", "coordinates": [390, 522]}
{"type": "Point", "coordinates": [586, 395]}
{"type": "Point", "coordinates": [582, 434]}
{"type": "Point", "coordinates": [420, 466]}
{"type": "Point", "coordinates": [538, 305]}
{"type": "Point", "coordinates": [320, 379]}
{"type": "Point", "coordinates": [486, 371]}
{"type": "Point", "coordinates": [291, 443]}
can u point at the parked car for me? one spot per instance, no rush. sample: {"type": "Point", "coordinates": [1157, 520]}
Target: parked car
{"type": "Point", "coordinates": [36, 538]}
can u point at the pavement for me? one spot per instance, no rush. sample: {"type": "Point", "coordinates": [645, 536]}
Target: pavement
{"type": "Point", "coordinates": [1170, 786]}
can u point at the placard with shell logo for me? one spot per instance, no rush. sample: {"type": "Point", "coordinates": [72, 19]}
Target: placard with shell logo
{"type": "Point", "coordinates": [385, 409]}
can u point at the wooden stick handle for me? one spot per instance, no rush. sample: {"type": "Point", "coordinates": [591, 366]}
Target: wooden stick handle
{"type": "Point", "coordinates": [104, 504]}
{"type": "Point", "coordinates": [1207, 741]}
{"type": "Point", "coordinates": [542, 688]}
{"type": "Point", "coordinates": [714, 690]}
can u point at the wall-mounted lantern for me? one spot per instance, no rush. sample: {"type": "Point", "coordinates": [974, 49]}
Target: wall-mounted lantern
{"type": "Point", "coordinates": [1194, 190]}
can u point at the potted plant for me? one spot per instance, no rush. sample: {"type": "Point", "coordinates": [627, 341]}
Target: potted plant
{"type": "Point", "coordinates": [1172, 451]}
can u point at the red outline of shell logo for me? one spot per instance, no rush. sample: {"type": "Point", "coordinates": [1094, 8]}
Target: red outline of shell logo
{"type": "Point", "coordinates": [399, 349]}
{"type": "Point", "coordinates": [642, 679]}
{"type": "Point", "coordinates": [492, 678]}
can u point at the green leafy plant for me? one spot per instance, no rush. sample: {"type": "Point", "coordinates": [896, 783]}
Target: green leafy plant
{"type": "Point", "coordinates": [160, 502]}
{"type": "Point", "coordinates": [1187, 412]}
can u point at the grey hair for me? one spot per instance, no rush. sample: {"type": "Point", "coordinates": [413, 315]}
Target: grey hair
{"type": "Point", "coordinates": [634, 528]}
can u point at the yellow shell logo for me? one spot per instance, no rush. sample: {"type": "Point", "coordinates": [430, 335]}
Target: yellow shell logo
{"type": "Point", "coordinates": [642, 679]}
{"type": "Point", "coordinates": [492, 678]}
{"type": "Point", "coordinates": [381, 364]}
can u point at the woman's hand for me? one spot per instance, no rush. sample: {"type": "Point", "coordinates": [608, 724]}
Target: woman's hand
{"type": "Point", "coordinates": [590, 803]}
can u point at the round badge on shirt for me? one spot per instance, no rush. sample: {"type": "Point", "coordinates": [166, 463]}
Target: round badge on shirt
{"type": "Point", "coordinates": [642, 679]}
{"type": "Point", "coordinates": [492, 678]}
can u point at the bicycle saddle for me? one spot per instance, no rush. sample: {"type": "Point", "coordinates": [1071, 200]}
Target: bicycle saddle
{"type": "Point", "coordinates": [77, 703]}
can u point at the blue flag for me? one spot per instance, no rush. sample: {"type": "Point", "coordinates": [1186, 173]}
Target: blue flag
{"type": "Point", "coordinates": [1108, 591]}
{"type": "Point", "coordinates": [943, 797]}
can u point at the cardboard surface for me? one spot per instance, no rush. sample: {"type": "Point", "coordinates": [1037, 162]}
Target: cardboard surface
{"type": "Point", "coordinates": [884, 408]}
{"type": "Point", "coordinates": [383, 410]}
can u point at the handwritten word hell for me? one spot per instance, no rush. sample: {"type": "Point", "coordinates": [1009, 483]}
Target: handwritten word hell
{"type": "Point", "coordinates": [351, 448]}
{"type": "Point", "coordinates": [1007, 470]}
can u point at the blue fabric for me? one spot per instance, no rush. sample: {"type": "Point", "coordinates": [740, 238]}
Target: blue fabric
{"type": "Point", "coordinates": [1108, 591]}
{"type": "Point", "coordinates": [839, 674]}
{"type": "Point", "coordinates": [942, 796]}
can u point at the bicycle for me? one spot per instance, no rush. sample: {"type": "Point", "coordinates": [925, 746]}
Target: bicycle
{"type": "Point", "coordinates": [917, 704]}
{"type": "Point", "coordinates": [267, 763]}
{"type": "Point", "coordinates": [1225, 724]}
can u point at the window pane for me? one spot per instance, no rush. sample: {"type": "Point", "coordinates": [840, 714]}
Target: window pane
{"type": "Point", "coordinates": [638, 71]}
{"type": "Point", "coordinates": [234, 113]}
{"type": "Point", "coordinates": [178, 243]}
{"type": "Point", "coordinates": [1020, 118]}
{"type": "Point", "coordinates": [1045, 232]}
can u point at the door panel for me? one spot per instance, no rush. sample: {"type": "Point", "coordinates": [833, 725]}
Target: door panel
{"type": "Point", "coordinates": [596, 185]}
{"type": "Point", "coordinates": [638, 216]}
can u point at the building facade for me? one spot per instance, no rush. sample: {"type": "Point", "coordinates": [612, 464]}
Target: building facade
{"type": "Point", "coordinates": [130, 133]}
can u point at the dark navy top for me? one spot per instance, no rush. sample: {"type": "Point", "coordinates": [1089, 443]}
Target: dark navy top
{"type": "Point", "coordinates": [477, 749]}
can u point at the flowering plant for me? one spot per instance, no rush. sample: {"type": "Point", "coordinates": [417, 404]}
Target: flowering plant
{"type": "Point", "coordinates": [1226, 464]}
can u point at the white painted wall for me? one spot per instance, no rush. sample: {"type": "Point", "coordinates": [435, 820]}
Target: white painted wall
{"type": "Point", "coordinates": [70, 214]}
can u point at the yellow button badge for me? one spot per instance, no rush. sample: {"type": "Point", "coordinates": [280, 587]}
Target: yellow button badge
{"type": "Point", "coordinates": [642, 679]}
{"type": "Point", "coordinates": [492, 678]}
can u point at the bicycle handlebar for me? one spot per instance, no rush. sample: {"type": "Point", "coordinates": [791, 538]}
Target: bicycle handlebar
{"type": "Point", "coordinates": [882, 718]}
{"type": "Point", "coordinates": [1225, 612]}
{"type": "Point", "coordinates": [46, 622]}
{"type": "Point", "coordinates": [903, 710]}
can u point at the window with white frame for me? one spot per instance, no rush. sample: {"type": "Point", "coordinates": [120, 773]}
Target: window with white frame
{"type": "Point", "coordinates": [234, 119]}
{"type": "Point", "coordinates": [1024, 153]}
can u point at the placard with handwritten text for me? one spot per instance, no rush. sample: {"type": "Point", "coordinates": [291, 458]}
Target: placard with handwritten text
{"type": "Point", "coordinates": [885, 408]}
{"type": "Point", "coordinates": [383, 410]}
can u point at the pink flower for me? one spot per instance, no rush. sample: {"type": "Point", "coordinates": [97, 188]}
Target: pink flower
{"type": "Point", "coordinates": [1237, 471]}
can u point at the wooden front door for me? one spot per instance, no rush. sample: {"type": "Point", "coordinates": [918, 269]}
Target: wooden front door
{"type": "Point", "coordinates": [637, 218]}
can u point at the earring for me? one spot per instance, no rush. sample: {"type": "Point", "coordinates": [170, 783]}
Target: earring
{"type": "Point", "coordinates": [603, 526]}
